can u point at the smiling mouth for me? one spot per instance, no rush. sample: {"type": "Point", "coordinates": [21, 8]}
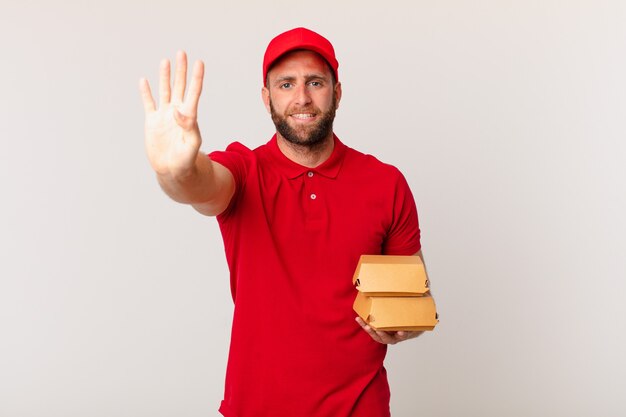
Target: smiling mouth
{"type": "Point", "coordinates": [303, 116]}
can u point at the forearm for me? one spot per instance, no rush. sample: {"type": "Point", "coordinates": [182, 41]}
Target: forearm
{"type": "Point", "coordinates": [206, 183]}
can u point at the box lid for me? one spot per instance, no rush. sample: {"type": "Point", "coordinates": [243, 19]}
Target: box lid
{"type": "Point", "coordinates": [391, 275]}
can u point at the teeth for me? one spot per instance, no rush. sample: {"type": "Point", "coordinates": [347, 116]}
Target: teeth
{"type": "Point", "coordinates": [302, 115]}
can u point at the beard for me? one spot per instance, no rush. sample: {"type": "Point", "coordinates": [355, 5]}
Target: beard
{"type": "Point", "coordinates": [306, 136]}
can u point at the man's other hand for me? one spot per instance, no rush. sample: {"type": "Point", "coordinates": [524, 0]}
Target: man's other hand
{"type": "Point", "coordinates": [387, 338]}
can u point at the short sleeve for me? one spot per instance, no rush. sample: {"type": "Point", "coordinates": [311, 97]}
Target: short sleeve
{"type": "Point", "coordinates": [403, 237]}
{"type": "Point", "coordinates": [237, 159]}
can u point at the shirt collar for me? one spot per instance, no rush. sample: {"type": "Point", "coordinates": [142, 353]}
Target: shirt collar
{"type": "Point", "coordinates": [329, 168]}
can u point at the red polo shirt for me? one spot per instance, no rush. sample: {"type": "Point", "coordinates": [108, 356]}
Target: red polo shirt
{"type": "Point", "coordinates": [293, 236]}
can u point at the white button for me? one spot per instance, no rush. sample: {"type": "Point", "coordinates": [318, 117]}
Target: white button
{"type": "Point", "coordinates": [310, 174]}
{"type": "Point", "coordinates": [313, 196]}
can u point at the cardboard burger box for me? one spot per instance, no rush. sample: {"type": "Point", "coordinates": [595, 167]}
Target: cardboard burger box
{"type": "Point", "coordinates": [394, 293]}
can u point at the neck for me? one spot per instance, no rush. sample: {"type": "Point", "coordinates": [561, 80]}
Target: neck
{"type": "Point", "coordinates": [307, 156]}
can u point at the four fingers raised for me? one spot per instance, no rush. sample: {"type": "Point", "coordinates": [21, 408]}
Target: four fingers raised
{"type": "Point", "coordinates": [175, 95]}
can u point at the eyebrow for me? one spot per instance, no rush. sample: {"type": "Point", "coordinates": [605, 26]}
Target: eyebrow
{"type": "Point", "coordinates": [307, 77]}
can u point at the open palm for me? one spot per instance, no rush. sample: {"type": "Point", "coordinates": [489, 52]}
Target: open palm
{"type": "Point", "coordinates": [172, 136]}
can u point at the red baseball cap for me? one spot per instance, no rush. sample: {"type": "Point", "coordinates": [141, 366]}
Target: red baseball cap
{"type": "Point", "coordinates": [299, 38]}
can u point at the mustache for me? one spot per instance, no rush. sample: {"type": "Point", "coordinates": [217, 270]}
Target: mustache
{"type": "Point", "coordinates": [297, 110]}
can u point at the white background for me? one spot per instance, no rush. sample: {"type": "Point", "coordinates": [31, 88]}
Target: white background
{"type": "Point", "coordinates": [506, 117]}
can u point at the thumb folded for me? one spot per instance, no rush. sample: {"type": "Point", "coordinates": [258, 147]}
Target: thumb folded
{"type": "Point", "coordinates": [186, 122]}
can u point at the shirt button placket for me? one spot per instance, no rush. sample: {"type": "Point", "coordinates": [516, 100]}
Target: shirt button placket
{"type": "Point", "coordinates": [313, 207]}
{"type": "Point", "coordinates": [310, 174]}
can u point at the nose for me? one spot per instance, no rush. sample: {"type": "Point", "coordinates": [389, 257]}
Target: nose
{"type": "Point", "coordinates": [303, 95]}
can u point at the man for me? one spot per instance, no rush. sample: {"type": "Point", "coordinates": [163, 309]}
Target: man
{"type": "Point", "coordinates": [295, 215]}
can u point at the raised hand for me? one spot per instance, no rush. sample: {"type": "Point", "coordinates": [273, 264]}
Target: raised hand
{"type": "Point", "coordinates": [172, 136]}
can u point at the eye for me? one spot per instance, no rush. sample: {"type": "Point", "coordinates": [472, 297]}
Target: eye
{"type": "Point", "coordinates": [285, 85]}
{"type": "Point", "coordinates": [315, 83]}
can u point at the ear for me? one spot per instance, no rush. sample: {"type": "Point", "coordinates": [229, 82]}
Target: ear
{"type": "Point", "coordinates": [265, 95]}
{"type": "Point", "coordinates": [337, 94]}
